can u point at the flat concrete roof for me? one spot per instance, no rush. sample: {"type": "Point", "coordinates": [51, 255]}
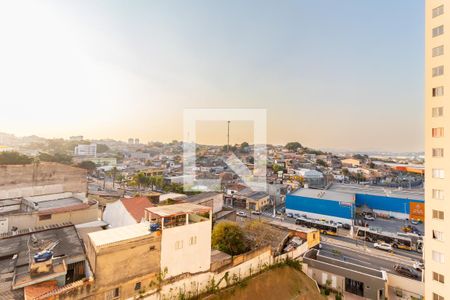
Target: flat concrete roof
{"type": "Point", "coordinates": [325, 195]}
{"type": "Point", "coordinates": [414, 194]}
{"type": "Point", "coordinates": [119, 234]}
{"type": "Point", "coordinates": [178, 209]}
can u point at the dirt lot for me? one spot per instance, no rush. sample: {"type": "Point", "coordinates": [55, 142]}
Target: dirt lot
{"type": "Point", "coordinates": [282, 283]}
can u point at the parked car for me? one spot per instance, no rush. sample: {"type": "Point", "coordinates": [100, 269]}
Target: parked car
{"type": "Point", "coordinates": [256, 212]}
{"type": "Point", "coordinates": [419, 266]}
{"type": "Point", "coordinates": [415, 221]}
{"type": "Point", "coordinates": [289, 215]}
{"type": "Point", "coordinates": [369, 217]}
{"type": "Point", "coordinates": [383, 246]}
{"type": "Point", "coordinates": [407, 271]}
{"type": "Point", "coordinates": [339, 224]}
{"type": "Point", "coordinates": [241, 214]}
{"type": "Point", "coordinates": [346, 226]}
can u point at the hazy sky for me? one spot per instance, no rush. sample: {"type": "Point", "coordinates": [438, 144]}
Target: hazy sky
{"type": "Point", "coordinates": [331, 74]}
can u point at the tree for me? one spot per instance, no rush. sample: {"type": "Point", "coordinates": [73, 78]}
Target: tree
{"type": "Point", "coordinates": [57, 157]}
{"type": "Point", "coordinates": [14, 158]}
{"type": "Point", "coordinates": [276, 168]}
{"type": "Point", "coordinates": [293, 146]}
{"type": "Point", "coordinates": [322, 163]}
{"type": "Point", "coordinates": [102, 148]}
{"type": "Point", "coordinates": [88, 165]}
{"type": "Point", "coordinates": [228, 237]}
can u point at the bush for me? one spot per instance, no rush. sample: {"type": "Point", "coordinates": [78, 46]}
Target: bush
{"type": "Point", "coordinates": [228, 237]}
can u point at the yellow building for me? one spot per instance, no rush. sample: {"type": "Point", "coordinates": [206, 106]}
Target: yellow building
{"type": "Point", "coordinates": [437, 140]}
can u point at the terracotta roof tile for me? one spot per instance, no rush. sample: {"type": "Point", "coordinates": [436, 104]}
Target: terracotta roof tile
{"type": "Point", "coordinates": [136, 206]}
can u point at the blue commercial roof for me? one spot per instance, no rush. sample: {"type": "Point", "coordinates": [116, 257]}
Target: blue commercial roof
{"type": "Point", "coordinates": [340, 209]}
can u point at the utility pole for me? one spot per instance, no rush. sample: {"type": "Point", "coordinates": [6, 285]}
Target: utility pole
{"type": "Point", "coordinates": [228, 137]}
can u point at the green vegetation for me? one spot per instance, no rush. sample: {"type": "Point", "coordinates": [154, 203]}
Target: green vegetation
{"type": "Point", "coordinates": [228, 237]}
{"type": "Point", "coordinates": [14, 158]}
{"type": "Point", "coordinates": [57, 157]}
{"type": "Point", "coordinates": [293, 146]}
{"type": "Point", "coordinates": [101, 148]}
{"type": "Point", "coordinates": [88, 165]}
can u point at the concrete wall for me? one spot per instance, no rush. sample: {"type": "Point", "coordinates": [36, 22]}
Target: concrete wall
{"type": "Point", "coordinates": [31, 220]}
{"type": "Point", "coordinates": [199, 253]}
{"type": "Point", "coordinates": [40, 179]}
{"type": "Point", "coordinates": [408, 287]}
{"type": "Point", "coordinates": [124, 264]}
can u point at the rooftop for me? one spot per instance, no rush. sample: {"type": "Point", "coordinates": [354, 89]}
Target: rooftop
{"type": "Point", "coordinates": [202, 196]}
{"type": "Point", "coordinates": [119, 234]}
{"type": "Point", "coordinates": [178, 209]}
{"type": "Point", "coordinates": [136, 206]}
{"type": "Point", "coordinates": [15, 255]}
{"type": "Point", "coordinates": [325, 195]}
{"type": "Point", "coordinates": [414, 194]}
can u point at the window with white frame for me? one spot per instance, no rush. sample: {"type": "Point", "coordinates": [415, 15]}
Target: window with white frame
{"type": "Point", "coordinates": [437, 31]}
{"type": "Point", "coordinates": [192, 240]}
{"type": "Point", "coordinates": [438, 152]}
{"type": "Point", "coordinates": [438, 235]}
{"type": "Point", "coordinates": [437, 11]}
{"type": "Point", "coordinates": [438, 257]}
{"type": "Point", "coordinates": [438, 91]}
{"type": "Point", "coordinates": [438, 277]}
{"type": "Point", "coordinates": [438, 214]}
{"type": "Point", "coordinates": [437, 111]}
{"type": "Point", "coordinates": [437, 132]}
{"type": "Point", "coordinates": [438, 194]}
{"type": "Point", "coordinates": [437, 51]}
{"type": "Point", "coordinates": [438, 297]}
{"type": "Point", "coordinates": [178, 245]}
{"type": "Point", "coordinates": [437, 71]}
{"type": "Point", "coordinates": [438, 173]}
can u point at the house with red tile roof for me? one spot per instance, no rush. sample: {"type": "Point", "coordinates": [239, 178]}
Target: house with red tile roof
{"type": "Point", "coordinates": [126, 211]}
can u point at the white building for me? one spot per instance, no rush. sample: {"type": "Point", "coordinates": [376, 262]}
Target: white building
{"type": "Point", "coordinates": [185, 237]}
{"type": "Point", "coordinates": [86, 150]}
{"type": "Point", "coordinates": [126, 211]}
{"type": "Point", "coordinates": [308, 174]}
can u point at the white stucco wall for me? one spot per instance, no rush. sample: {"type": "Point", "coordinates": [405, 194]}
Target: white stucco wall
{"type": "Point", "coordinates": [116, 215]}
{"type": "Point", "coordinates": [188, 258]}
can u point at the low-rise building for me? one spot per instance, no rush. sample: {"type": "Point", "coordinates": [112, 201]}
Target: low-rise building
{"type": "Point", "coordinates": [85, 150]}
{"type": "Point", "coordinates": [125, 261]}
{"type": "Point", "coordinates": [126, 211]}
{"type": "Point", "coordinates": [211, 199]}
{"type": "Point", "coordinates": [185, 233]}
{"type": "Point", "coordinates": [24, 272]}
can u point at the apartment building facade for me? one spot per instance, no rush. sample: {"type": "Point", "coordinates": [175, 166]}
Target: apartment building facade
{"type": "Point", "coordinates": [437, 148]}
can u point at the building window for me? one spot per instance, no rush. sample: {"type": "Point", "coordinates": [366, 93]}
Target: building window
{"type": "Point", "coordinates": [438, 297]}
{"type": "Point", "coordinates": [193, 240]}
{"type": "Point", "coordinates": [137, 286]}
{"type": "Point", "coordinates": [438, 214]}
{"type": "Point", "coordinates": [112, 294]}
{"type": "Point", "coordinates": [438, 257]}
{"type": "Point", "coordinates": [438, 71]}
{"type": "Point", "coordinates": [438, 173]}
{"type": "Point", "coordinates": [438, 152]}
{"type": "Point", "coordinates": [438, 277]}
{"type": "Point", "coordinates": [438, 51]}
{"type": "Point", "coordinates": [438, 112]}
{"type": "Point", "coordinates": [438, 235]}
{"type": "Point", "coordinates": [178, 245]}
{"type": "Point", "coordinates": [437, 31]}
{"type": "Point", "coordinates": [438, 91]}
{"type": "Point", "coordinates": [437, 11]}
{"type": "Point", "coordinates": [438, 194]}
{"type": "Point", "coordinates": [45, 217]}
{"type": "Point", "coordinates": [437, 132]}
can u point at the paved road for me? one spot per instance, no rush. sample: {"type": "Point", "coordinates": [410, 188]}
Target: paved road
{"type": "Point", "coordinates": [362, 258]}
{"type": "Point", "coordinates": [412, 255]}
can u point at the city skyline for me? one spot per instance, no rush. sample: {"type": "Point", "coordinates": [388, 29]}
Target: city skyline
{"type": "Point", "coordinates": [121, 71]}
